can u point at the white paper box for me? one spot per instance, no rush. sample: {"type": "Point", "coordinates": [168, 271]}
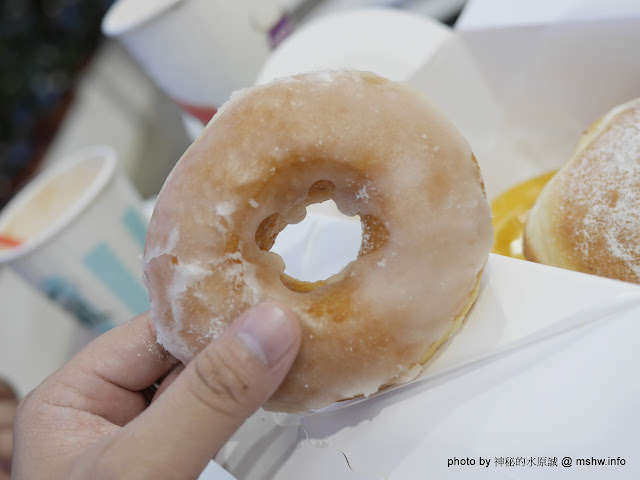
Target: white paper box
{"type": "Point", "coordinates": [523, 95]}
{"type": "Point", "coordinates": [546, 365]}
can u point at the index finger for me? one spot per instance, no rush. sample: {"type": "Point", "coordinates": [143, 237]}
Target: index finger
{"type": "Point", "coordinates": [107, 376]}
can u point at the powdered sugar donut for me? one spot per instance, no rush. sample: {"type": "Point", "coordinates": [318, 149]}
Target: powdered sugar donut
{"type": "Point", "coordinates": [587, 218]}
{"type": "Point", "coordinates": [380, 150]}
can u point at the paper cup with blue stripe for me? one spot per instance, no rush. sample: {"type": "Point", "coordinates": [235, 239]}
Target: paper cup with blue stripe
{"type": "Point", "coordinates": [81, 234]}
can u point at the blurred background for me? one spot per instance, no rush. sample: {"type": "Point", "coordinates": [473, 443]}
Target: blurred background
{"type": "Point", "coordinates": [63, 86]}
{"type": "Point", "coordinates": [56, 68]}
{"type": "Point", "coordinates": [44, 46]}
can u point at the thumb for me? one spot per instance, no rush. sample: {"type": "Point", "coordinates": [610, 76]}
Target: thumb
{"type": "Point", "coordinates": [221, 387]}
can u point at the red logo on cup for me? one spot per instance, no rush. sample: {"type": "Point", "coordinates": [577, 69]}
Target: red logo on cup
{"type": "Point", "coordinates": [204, 114]}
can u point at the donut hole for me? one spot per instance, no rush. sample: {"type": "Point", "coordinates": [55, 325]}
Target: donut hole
{"type": "Point", "coordinates": [316, 241]}
{"type": "Point", "coordinates": [318, 247]}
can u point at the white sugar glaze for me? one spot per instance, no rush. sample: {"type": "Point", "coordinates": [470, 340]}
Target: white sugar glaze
{"type": "Point", "coordinates": [380, 150]}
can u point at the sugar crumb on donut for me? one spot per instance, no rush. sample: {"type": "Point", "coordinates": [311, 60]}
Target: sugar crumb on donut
{"type": "Point", "coordinates": [362, 193]}
{"type": "Point", "coordinates": [162, 249]}
{"type": "Point", "coordinates": [272, 150]}
{"type": "Point", "coordinates": [225, 209]}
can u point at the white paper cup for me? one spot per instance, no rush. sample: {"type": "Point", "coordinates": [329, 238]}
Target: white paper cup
{"type": "Point", "coordinates": [197, 51]}
{"type": "Point", "coordinates": [82, 235]}
{"type": "Point", "coordinates": [390, 42]}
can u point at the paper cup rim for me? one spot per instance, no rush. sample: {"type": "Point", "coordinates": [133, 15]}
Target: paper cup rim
{"type": "Point", "coordinates": [104, 175]}
{"type": "Point", "coordinates": [115, 26]}
{"type": "Point", "coordinates": [305, 50]}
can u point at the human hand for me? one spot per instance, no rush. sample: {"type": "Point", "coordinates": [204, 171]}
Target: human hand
{"type": "Point", "coordinates": [8, 405]}
{"type": "Point", "coordinates": [91, 419]}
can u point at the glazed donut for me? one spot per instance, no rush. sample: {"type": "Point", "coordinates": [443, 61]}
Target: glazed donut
{"type": "Point", "coordinates": [380, 150]}
{"type": "Point", "coordinates": [587, 218]}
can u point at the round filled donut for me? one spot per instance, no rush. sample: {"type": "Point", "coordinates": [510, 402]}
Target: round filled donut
{"type": "Point", "coordinates": [378, 149]}
{"type": "Point", "coordinates": [587, 218]}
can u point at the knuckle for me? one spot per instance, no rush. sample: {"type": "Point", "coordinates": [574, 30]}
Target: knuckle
{"type": "Point", "coordinates": [108, 458]}
{"type": "Point", "coordinates": [221, 381]}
